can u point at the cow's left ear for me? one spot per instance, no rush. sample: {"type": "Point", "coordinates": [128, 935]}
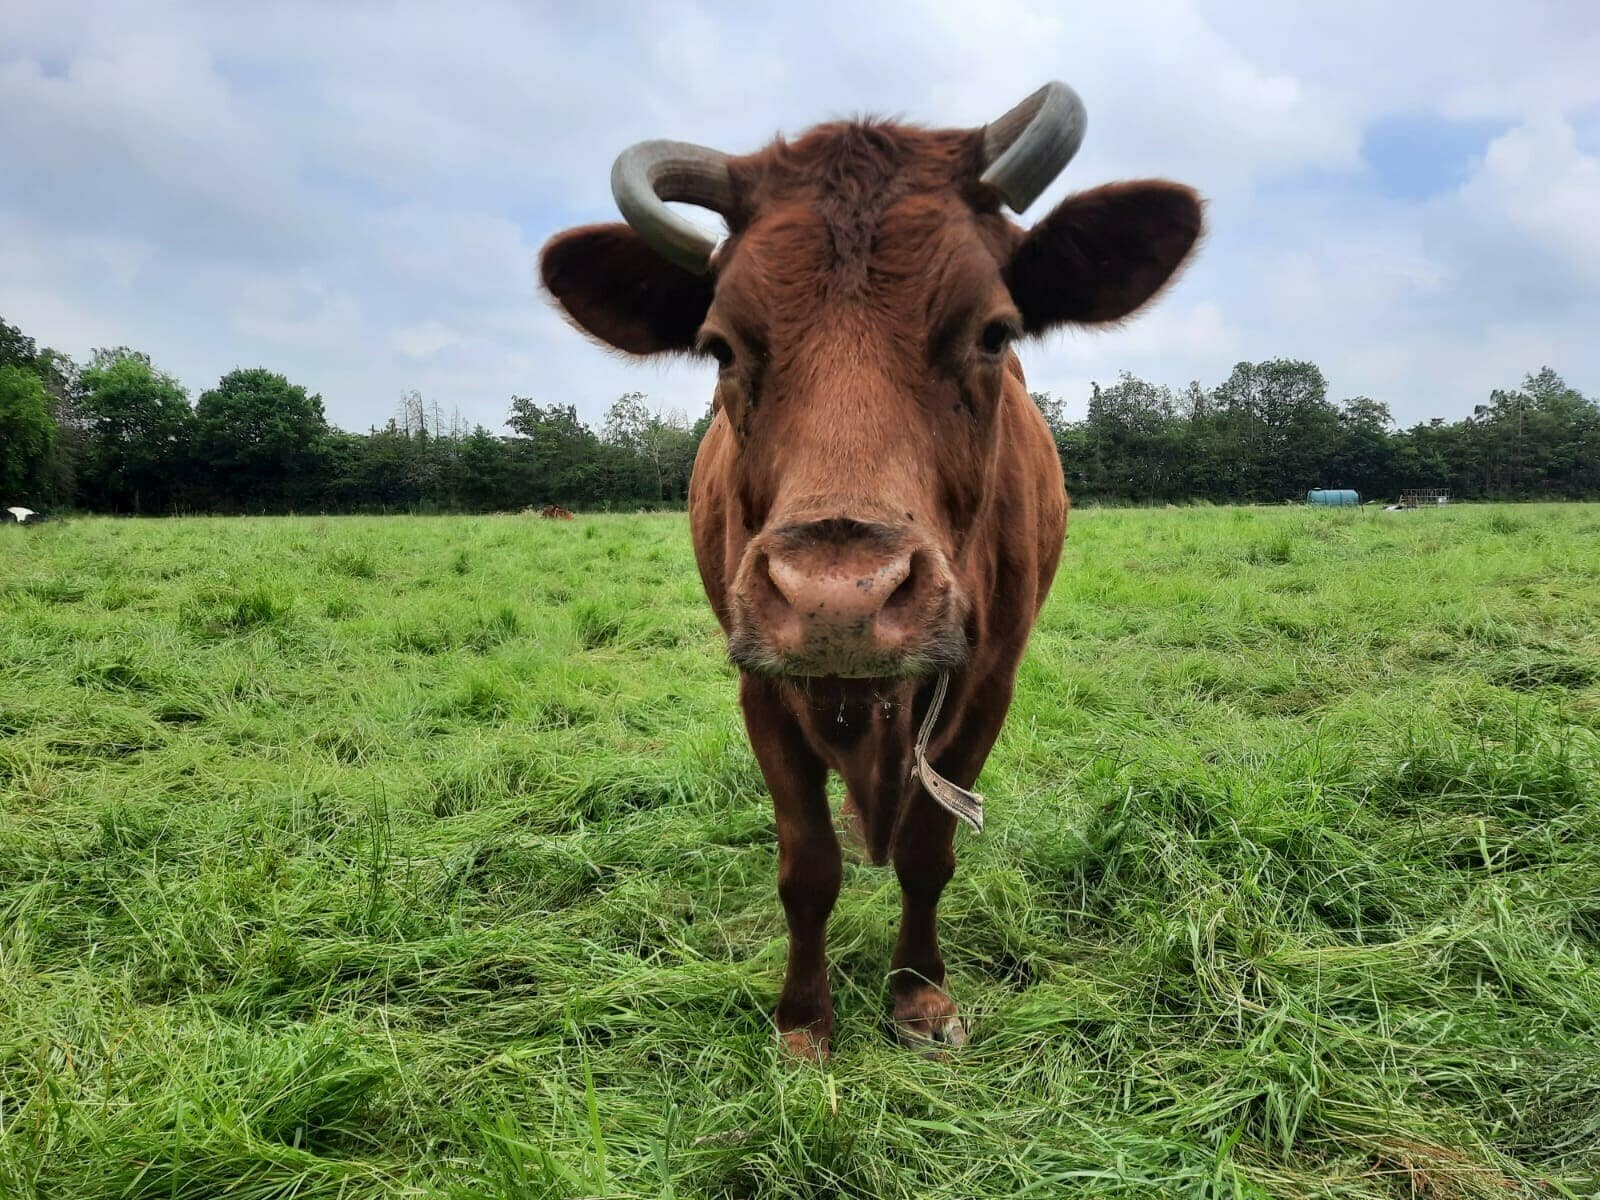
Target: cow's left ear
{"type": "Point", "coordinates": [615, 287]}
{"type": "Point", "coordinates": [1102, 254]}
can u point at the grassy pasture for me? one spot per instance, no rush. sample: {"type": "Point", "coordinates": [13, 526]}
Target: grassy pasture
{"type": "Point", "coordinates": [425, 857]}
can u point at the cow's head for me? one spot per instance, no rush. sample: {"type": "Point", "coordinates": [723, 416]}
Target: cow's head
{"type": "Point", "coordinates": [861, 312]}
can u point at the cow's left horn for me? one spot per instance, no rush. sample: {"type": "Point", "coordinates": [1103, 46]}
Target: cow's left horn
{"type": "Point", "coordinates": [647, 175]}
{"type": "Point", "coordinates": [1025, 150]}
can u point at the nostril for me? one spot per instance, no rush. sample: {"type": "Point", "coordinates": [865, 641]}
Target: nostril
{"type": "Point", "coordinates": [781, 581]}
{"type": "Point", "coordinates": [902, 595]}
{"type": "Point", "coordinates": [901, 606]}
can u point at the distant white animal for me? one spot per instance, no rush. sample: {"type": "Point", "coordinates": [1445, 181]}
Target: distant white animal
{"type": "Point", "coordinates": [21, 514]}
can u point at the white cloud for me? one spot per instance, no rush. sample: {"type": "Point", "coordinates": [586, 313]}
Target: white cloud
{"type": "Point", "coordinates": [305, 317]}
{"type": "Point", "coordinates": [424, 340]}
{"type": "Point", "coordinates": [1536, 180]}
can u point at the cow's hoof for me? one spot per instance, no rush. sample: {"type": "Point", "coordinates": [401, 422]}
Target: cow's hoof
{"type": "Point", "coordinates": [925, 1020]}
{"type": "Point", "coordinates": [805, 1043]}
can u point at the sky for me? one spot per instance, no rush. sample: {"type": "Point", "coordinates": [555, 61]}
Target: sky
{"type": "Point", "coordinates": [1408, 194]}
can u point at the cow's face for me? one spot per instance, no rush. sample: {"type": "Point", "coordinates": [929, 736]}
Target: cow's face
{"type": "Point", "coordinates": [861, 315]}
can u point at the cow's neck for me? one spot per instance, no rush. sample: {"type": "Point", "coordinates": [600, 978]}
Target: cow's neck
{"type": "Point", "coordinates": [864, 730]}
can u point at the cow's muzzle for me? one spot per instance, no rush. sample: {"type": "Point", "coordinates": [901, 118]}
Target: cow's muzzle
{"type": "Point", "coordinates": [840, 597]}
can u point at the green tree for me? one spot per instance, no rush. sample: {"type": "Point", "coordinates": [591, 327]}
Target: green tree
{"type": "Point", "coordinates": [703, 426]}
{"type": "Point", "coordinates": [1436, 453]}
{"type": "Point", "coordinates": [17, 349]}
{"type": "Point", "coordinates": [1053, 411]}
{"type": "Point", "coordinates": [1539, 439]}
{"type": "Point", "coordinates": [1279, 425]}
{"type": "Point", "coordinates": [672, 448]}
{"type": "Point", "coordinates": [261, 440]}
{"type": "Point", "coordinates": [626, 431]}
{"type": "Point", "coordinates": [1134, 440]}
{"type": "Point", "coordinates": [484, 469]}
{"type": "Point", "coordinates": [55, 475]}
{"type": "Point", "coordinates": [27, 432]}
{"type": "Point", "coordinates": [136, 426]}
{"type": "Point", "coordinates": [658, 448]}
{"type": "Point", "coordinates": [556, 457]}
{"type": "Point", "coordinates": [1363, 455]}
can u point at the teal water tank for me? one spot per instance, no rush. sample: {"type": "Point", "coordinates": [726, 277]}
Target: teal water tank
{"type": "Point", "coordinates": [1339, 497]}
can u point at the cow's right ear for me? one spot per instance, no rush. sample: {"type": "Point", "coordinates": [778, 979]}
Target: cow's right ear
{"type": "Point", "coordinates": [1102, 255]}
{"type": "Point", "coordinates": [616, 288]}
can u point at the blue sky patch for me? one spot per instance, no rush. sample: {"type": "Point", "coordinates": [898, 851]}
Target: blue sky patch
{"type": "Point", "coordinates": [1416, 156]}
{"type": "Point", "coordinates": [1586, 127]}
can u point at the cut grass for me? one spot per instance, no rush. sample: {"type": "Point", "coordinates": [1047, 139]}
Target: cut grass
{"type": "Point", "coordinates": [425, 856]}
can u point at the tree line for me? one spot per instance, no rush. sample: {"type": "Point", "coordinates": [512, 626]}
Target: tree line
{"type": "Point", "coordinates": [1269, 432]}
{"type": "Point", "coordinates": [117, 434]}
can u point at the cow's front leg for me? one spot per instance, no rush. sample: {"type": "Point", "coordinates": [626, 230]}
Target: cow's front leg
{"type": "Point", "coordinates": [924, 859]}
{"type": "Point", "coordinates": [809, 865]}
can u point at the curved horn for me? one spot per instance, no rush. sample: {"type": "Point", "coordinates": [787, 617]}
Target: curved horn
{"type": "Point", "coordinates": [1025, 149]}
{"type": "Point", "coordinates": [647, 175]}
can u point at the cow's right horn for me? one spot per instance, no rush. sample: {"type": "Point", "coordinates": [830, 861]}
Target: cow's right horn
{"type": "Point", "coordinates": [647, 175]}
{"type": "Point", "coordinates": [1025, 150]}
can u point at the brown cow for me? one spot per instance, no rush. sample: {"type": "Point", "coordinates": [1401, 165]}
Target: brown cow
{"type": "Point", "coordinates": [877, 507]}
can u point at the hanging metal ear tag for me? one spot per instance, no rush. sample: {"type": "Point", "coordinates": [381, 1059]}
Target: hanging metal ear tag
{"type": "Point", "coordinates": [954, 799]}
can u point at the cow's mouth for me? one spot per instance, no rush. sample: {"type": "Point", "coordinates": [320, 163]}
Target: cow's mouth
{"type": "Point", "coordinates": [943, 647]}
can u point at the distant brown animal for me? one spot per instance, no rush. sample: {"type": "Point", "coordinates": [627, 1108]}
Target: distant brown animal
{"type": "Point", "coordinates": [554, 512]}
{"type": "Point", "coordinates": [877, 507]}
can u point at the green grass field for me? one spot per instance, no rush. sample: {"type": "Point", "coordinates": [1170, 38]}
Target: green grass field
{"type": "Point", "coordinates": [425, 857]}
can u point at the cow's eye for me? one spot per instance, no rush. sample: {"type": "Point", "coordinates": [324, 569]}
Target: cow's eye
{"type": "Point", "coordinates": [718, 349]}
{"type": "Point", "coordinates": [996, 336]}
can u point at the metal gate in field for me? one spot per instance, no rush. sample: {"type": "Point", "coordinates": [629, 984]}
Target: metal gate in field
{"type": "Point", "coordinates": [1424, 497]}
